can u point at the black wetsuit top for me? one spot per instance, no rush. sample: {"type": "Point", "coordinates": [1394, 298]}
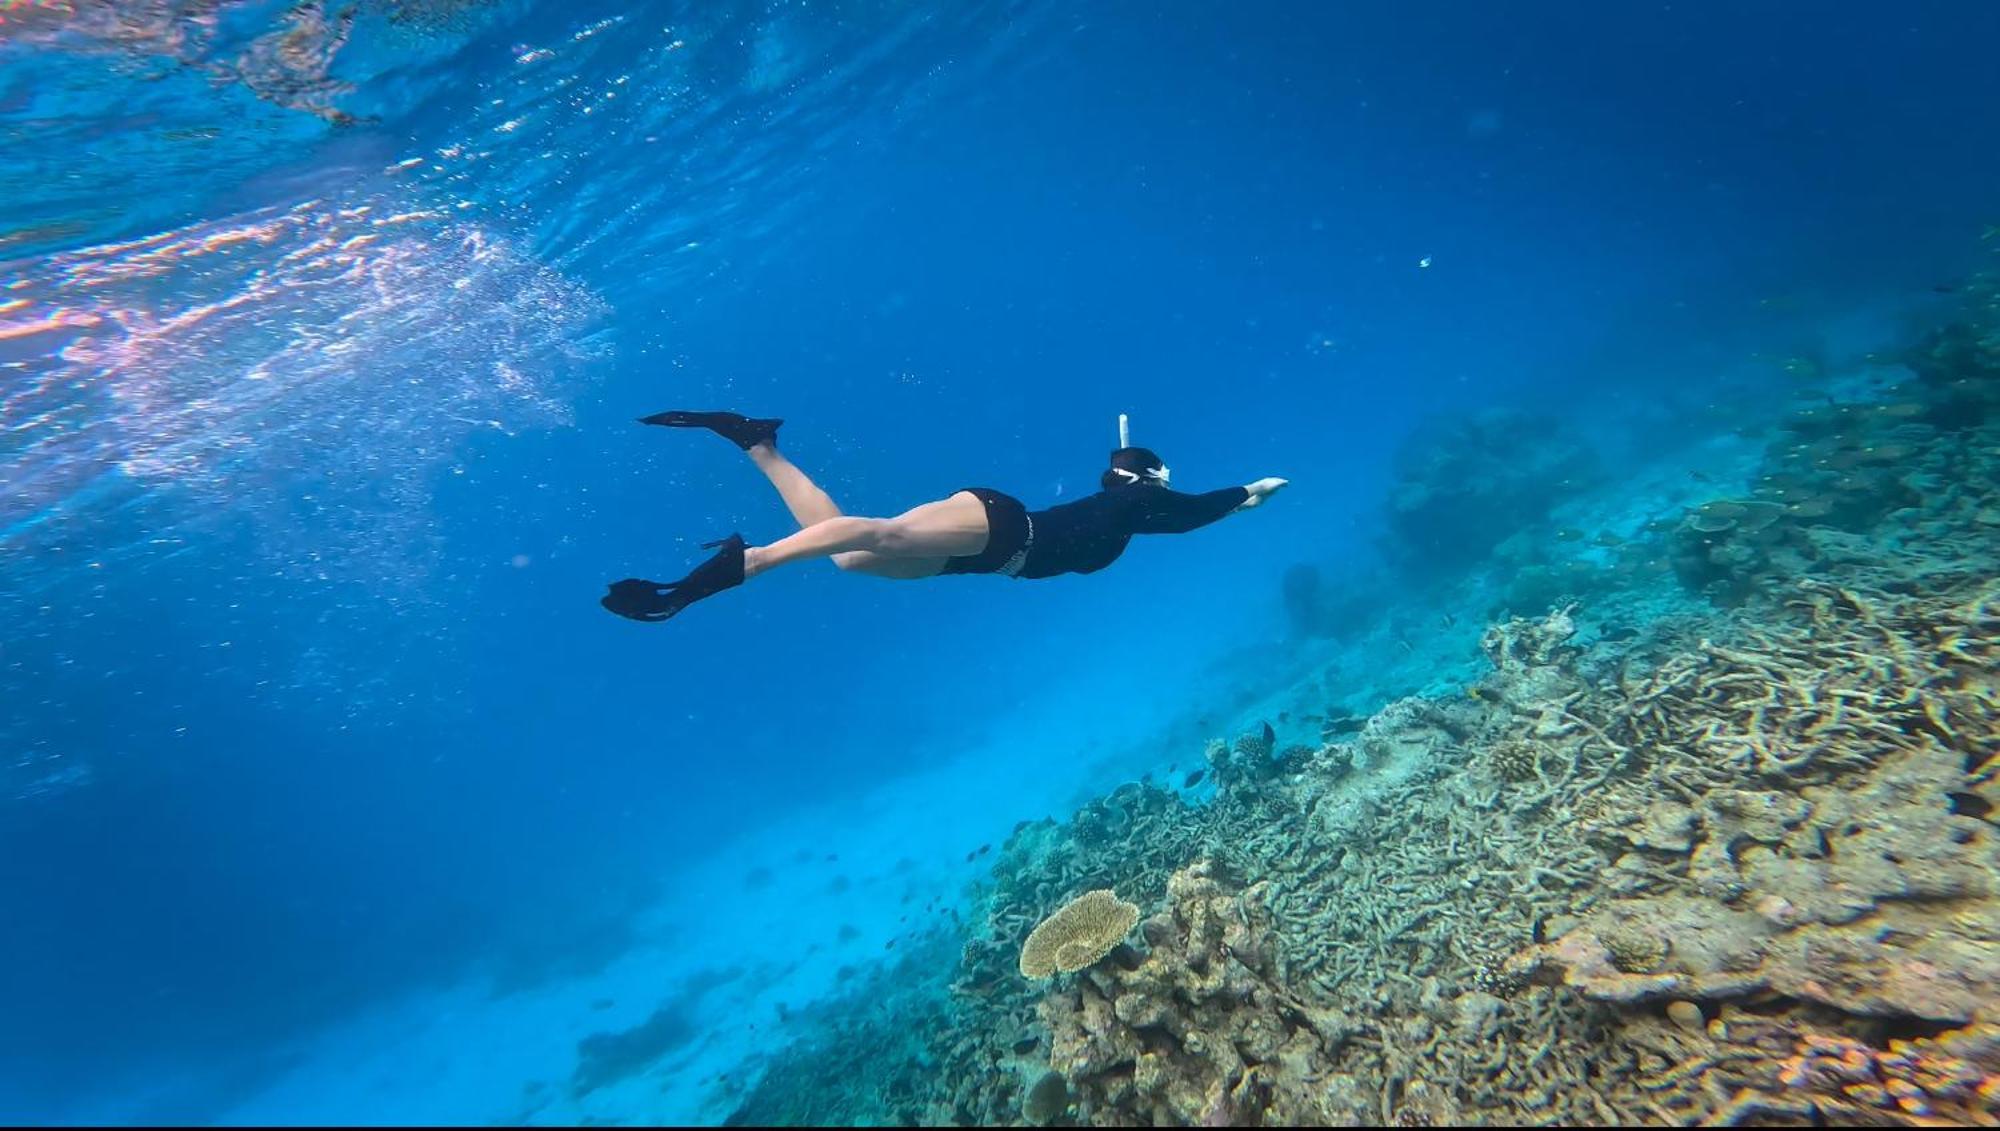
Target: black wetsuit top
{"type": "Point", "coordinates": [1090, 533]}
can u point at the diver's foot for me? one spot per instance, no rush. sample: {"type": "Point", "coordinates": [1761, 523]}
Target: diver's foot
{"type": "Point", "coordinates": [642, 600]}
{"type": "Point", "coordinates": [743, 431]}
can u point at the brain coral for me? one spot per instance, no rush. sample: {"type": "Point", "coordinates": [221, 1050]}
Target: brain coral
{"type": "Point", "coordinates": [1078, 934]}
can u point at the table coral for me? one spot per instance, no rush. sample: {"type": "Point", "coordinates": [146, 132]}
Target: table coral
{"type": "Point", "coordinates": [1080, 933]}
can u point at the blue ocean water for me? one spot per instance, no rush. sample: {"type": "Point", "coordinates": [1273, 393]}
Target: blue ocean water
{"type": "Point", "coordinates": [330, 793]}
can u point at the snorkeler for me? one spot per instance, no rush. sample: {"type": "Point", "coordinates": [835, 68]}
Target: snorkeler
{"type": "Point", "coordinates": [976, 530]}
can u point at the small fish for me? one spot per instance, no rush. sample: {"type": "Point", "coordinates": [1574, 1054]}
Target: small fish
{"type": "Point", "coordinates": [1194, 778]}
{"type": "Point", "coordinates": [1424, 262]}
{"type": "Point", "coordinates": [890, 945]}
{"type": "Point", "coordinates": [1945, 288]}
{"type": "Point", "coordinates": [1270, 736]}
{"type": "Point", "coordinates": [985, 848]}
{"type": "Point", "coordinates": [1406, 645]}
{"type": "Point", "coordinates": [1569, 534]}
{"type": "Point", "coordinates": [1701, 477]}
{"type": "Point", "coordinates": [1447, 620]}
{"type": "Point", "coordinates": [969, 856]}
{"type": "Point", "coordinates": [1284, 716]}
{"type": "Point", "coordinates": [1026, 1045]}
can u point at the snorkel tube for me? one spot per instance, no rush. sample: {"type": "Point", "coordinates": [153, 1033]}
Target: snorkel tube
{"type": "Point", "coordinates": [1135, 465]}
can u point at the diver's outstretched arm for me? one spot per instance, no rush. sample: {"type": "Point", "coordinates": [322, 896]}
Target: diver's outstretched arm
{"type": "Point", "coordinates": [1158, 510]}
{"type": "Point", "coordinates": [1261, 490]}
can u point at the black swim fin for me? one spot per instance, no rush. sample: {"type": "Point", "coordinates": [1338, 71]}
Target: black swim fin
{"type": "Point", "coordinates": [644, 600]}
{"type": "Point", "coordinates": [743, 431]}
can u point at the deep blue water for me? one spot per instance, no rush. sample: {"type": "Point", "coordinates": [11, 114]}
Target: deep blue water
{"type": "Point", "coordinates": [307, 699]}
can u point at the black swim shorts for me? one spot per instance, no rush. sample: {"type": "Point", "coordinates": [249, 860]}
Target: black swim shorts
{"type": "Point", "coordinates": [1010, 535]}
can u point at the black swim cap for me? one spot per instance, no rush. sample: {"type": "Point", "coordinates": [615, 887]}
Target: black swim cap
{"type": "Point", "coordinates": [1143, 464]}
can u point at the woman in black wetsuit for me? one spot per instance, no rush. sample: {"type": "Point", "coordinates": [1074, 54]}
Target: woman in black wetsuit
{"type": "Point", "coordinates": [976, 530]}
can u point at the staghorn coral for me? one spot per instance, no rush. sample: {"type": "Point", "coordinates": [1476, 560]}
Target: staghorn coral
{"type": "Point", "coordinates": [1949, 1080]}
{"type": "Point", "coordinates": [1873, 897]}
{"type": "Point", "coordinates": [1080, 933]}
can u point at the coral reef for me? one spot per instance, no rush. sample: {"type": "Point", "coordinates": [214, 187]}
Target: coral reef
{"type": "Point", "coordinates": [608, 1057]}
{"type": "Point", "coordinates": [1198, 1031]}
{"type": "Point", "coordinates": [1453, 501]}
{"type": "Point", "coordinates": [1874, 898]}
{"type": "Point", "coordinates": [1078, 934]}
{"type": "Point", "coordinates": [1731, 859]}
{"type": "Point", "coordinates": [868, 1058]}
{"type": "Point", "coordinates": [1253, 757]}
{"type": "Point", "coordinates": [1950, 1080]}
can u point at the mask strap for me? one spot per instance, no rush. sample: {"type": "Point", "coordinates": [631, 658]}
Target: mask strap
{"type": "Point", "coordinates": [1162, 474]}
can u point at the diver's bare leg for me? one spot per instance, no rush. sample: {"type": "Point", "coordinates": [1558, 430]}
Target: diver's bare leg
{"type": "Point", "coordinates": [923, 536]}
{"type": "Point", "coordinates": [808, 504]}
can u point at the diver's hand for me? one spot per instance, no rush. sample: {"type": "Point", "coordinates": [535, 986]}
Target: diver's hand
{"type": "Point", "coordinates": [1261, 490]}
